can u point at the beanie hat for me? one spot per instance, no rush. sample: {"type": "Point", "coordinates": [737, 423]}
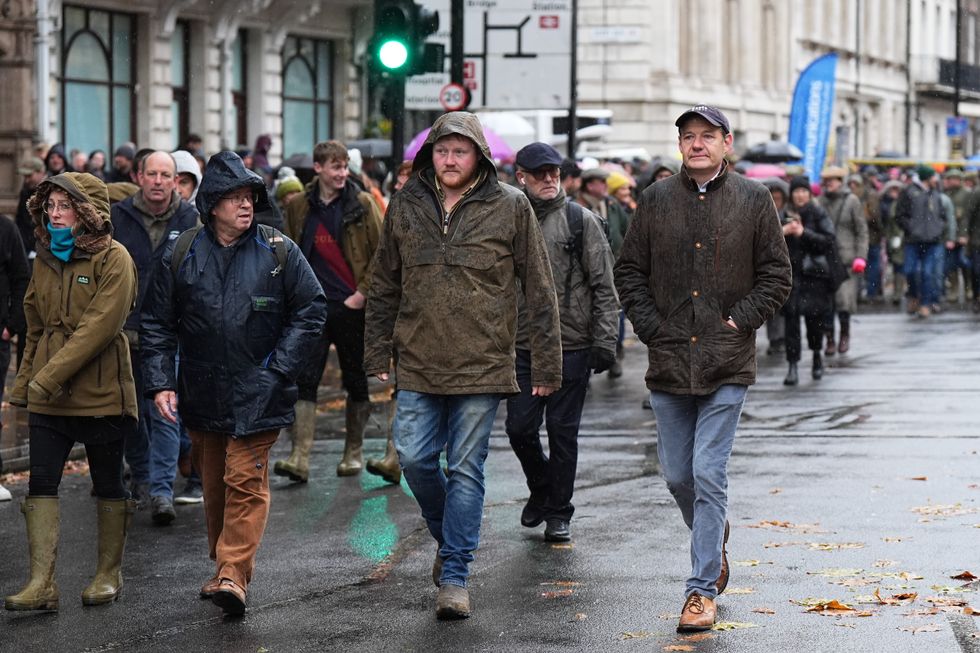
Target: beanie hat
{"type": "Point", "coordinates": [615, 181]}
{"type": "Point", "coordinates": [288, 185]}
{"type": "Point", "coordinates": [800, 181]}
{"type": "Point", "coordinates": [925, 172]}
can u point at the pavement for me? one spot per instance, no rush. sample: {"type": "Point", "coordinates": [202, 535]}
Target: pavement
{"type": "Point", "coordinates": [861, 488]}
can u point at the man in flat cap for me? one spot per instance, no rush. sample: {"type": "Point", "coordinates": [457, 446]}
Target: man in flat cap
{"type": "Point", "coordinates": [704, 265]}
{"type": "Point", "coordinates": [581, 263]}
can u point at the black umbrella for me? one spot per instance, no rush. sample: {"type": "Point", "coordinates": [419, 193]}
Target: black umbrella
{"type": "Point", "coordinates": [773, 152]}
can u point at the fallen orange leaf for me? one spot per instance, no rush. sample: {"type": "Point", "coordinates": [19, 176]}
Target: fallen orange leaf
{"type": "Point", "coordinates": [896, 599]}
{"type": "Point", "coordinates": [919, 478]}
{"type": "Point", "coordinates": [558, 594]}
{"type": "Point", "coordinates": [678, 647]}
{"type": "Point", "coordinates": [967, 576]}
{"type": "Point", "coordinates": [831, 607]}
{"type": "Point", "coordinates": [764, 611]}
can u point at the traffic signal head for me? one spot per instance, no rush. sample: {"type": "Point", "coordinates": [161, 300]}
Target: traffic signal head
{"type": "Point", "coordinates": [398, 46]}
{"type": "Point", "coordinates": [392, 34]}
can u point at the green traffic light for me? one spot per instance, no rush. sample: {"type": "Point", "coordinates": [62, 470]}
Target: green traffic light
{"type": "Point", "coordinates": [393, 54]}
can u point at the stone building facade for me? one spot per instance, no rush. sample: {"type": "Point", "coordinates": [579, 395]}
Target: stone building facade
{"type": "Point", "coordinates": [894, 89]}
{"type": "Point", "coordinates": [151, 72]}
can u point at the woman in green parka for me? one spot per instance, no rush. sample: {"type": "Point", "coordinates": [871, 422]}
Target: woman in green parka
{"type": "Point", "coordinates": [76, 379]}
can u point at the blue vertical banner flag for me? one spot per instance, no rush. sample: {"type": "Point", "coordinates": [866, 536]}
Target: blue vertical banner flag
{"type": "Point", "coordinates": [813, 111]}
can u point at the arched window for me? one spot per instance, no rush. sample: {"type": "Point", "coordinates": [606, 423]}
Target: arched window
{"type": "Point", "coordinates": [307, 100]}
{"type": "Point", "coordinates": [97, 100]}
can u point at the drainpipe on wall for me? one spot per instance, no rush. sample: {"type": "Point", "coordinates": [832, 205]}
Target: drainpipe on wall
{"type": "Point", "coordinates": [42, 73]}
{"type": "Point", "coordinates": [908, 77]}
{"type": "Point", "coordinates": [228, 128]}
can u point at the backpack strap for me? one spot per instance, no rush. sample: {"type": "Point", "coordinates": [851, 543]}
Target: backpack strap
{"type": "Point", "coordinates": [182, 247]}
{"type": "Point", "coordinates": [274, 239]}
{"type": "Point", "coordinates": [574, 247]}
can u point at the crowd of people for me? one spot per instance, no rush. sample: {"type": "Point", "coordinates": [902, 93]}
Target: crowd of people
{"type": "Point", "coordinates": [174, 312]}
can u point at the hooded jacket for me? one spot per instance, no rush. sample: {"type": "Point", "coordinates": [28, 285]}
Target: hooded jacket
{"type": "Point", "coordinates": [187, 164]}
{"type": "Point", "coordinates": [444, 301]}
{"type": "Point", "coordinates": [691, 260]}
{"type": "Point", "coordinates": [76, 358]}
{"type": "Point", "coordinates": [361, 227]}
{"type": "Point", "coordinates": [244, 325]}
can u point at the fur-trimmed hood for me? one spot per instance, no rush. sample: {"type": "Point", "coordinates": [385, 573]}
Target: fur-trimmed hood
{"type": "Point", "coordinates": [93, 230]}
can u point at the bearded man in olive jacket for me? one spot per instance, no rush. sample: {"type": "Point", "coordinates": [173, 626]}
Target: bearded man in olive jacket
{"type": "Point", "coordinates": [443, 302]}
{"type": "Point", "coordinates": [704, 264]}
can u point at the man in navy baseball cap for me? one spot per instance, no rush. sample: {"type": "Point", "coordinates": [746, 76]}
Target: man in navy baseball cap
{"type": "Point", "coordinates": [537, 155]}
{"type": "Point", "coordinates": [711, 114]}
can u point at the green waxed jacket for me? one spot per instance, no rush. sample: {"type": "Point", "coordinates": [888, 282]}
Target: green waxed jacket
{"type": "Point", "coordinates": [443, 303]}
{"type": "Point", "coordinates": [76, 359]}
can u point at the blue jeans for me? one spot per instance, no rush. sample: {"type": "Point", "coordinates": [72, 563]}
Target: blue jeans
{"type": "Point", "coordinates": [923, 267]}
{"type": "Point", "coordinates": [694, 442]}
{"type": "Point", "coordinates": [164, 439]}
{"type": "Point", "coordinates": [452, 507]}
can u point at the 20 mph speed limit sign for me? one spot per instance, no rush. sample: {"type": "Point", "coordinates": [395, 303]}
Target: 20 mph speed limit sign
{"type": "Point", "coordinates": [453, 97]}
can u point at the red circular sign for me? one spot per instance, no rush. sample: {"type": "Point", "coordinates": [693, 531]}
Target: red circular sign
{"type": "Point", "coordinates": [453, 97]}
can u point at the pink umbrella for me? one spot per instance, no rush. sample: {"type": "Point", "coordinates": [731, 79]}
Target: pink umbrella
{"type": "Point", "coordinates": [764, 170]}
{"type": "Point", "coordinates": [498, 148]}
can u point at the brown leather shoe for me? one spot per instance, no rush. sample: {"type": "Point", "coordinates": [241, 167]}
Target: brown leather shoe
{"type": "Point", "coordinates": [452, 602]}
{"type": "Point", "coordinates": [209, 588]}
{"type": "Point", "coordinates": [698, 614]}
{"type": "Point", "coordinates": [230, 597]}
{"type": "Point", "coordinates": [722, 581]}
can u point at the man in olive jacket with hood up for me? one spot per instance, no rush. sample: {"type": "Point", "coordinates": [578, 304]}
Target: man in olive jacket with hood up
{"type": "Point", "coordinates": [443, 303]}
{"type": "Point", "coordinates": [704, 264]}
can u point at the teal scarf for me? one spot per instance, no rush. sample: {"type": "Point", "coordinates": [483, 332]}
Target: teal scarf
{"type": "Point", "coordinates": [62, 241]}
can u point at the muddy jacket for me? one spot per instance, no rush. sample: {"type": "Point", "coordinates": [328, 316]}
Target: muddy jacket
{"type": "Point", "coordinates": [76, 359]}
{"type": "Point", "coordinates": [588, 306]}
{"type": "Point", "coordinates": [444, 302]}
{"type": "Point", "coordinates": [244, 326]}
{"type": "Point", "coordinates": [850, 224]}
{"type": "Point", "coordinates": [692, 259]}
{"type": "Point", "coordinates": [361, 232]}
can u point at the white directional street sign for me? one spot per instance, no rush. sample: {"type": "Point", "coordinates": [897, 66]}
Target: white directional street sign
{"type": "Point", "coordinates": [517, 55]}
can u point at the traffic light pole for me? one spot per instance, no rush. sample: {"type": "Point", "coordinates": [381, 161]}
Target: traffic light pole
{"type": "Point", "coordinates": [396, 103]}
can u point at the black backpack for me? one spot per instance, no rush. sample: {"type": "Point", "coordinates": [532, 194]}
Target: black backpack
{"type": "Point", "coordinates": [273, 238]}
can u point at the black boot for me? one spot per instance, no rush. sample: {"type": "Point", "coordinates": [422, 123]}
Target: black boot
{"type": "Point", "coordinates": [844, 344]}
{"type": "Point", "coordinates": [792, 377]}
{"type": "Point", "coordinates": [817, 366]}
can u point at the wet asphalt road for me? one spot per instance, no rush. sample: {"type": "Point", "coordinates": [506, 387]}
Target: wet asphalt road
{"type": "Point", "coordinates": [826, 503]}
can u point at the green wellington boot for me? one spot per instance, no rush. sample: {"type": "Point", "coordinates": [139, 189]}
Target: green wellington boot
{"type": "Point", "coordinates": [297, 466]}
{"type": "Point", "coordinates": [41, 592]}
{"type": "Point", "coordinates": [114, 518]}
{"type": "Point", "coordinates": [388, 467]}
{"type": "Point", "coordinates": [356, 414]}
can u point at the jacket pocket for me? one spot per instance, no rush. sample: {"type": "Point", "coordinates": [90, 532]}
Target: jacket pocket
{"type": "Point", "coordinates": [261, 393]}
{"type": "Point", "coordinates": [729, 352]}
{"type": "Point", "coordinates": [265, 318]}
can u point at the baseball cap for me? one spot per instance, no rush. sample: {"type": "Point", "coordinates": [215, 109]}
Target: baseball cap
{"type": "Point", "coordinates": [537, 155]}
{"type": "Point", "coordinates": [711, 114]}
{"type": "Point", "coordinates": [30, 165]}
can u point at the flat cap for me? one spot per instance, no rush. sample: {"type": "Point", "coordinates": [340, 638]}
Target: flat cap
{"type": "Point", "coordinates": [537, 155]}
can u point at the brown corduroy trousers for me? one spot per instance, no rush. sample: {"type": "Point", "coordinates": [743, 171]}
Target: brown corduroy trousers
{"type": "Point", "coordinates": [235, 478]}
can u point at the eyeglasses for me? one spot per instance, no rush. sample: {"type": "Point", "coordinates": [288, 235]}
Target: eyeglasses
{"type": "Point", "coordinates": [546, 172]}
{"type": "Point", "coordinates": [240, 198]}
{"type": "Point", "coordinates": [61, 207]}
